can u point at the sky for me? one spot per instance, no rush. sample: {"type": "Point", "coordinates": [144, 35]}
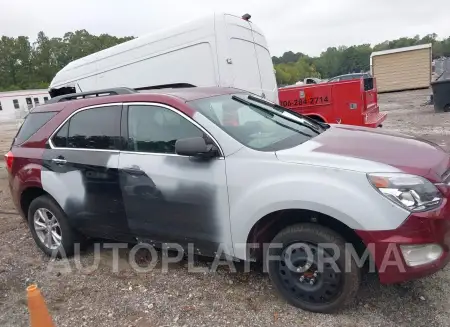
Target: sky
{"type": "Point", "coordinates": [308, 26]}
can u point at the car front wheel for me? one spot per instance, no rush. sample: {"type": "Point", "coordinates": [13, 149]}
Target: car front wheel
{"type": "Point", "coordinates": [307, 265]}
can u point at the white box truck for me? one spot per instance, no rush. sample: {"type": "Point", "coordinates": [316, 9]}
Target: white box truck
{"type": "Point", "coordinates": [218, 50]}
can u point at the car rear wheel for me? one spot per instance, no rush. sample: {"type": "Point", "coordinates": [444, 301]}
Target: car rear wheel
{"type": "Point", "coordinates": [50, 229]}
{"type": "Point", "coordinates": [303, 271]}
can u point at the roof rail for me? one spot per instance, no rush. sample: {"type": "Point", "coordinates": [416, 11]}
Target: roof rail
{"type": "Point", "coordinates": [96, 93]}
{"type": "Point", "coordinates": [165, 86]}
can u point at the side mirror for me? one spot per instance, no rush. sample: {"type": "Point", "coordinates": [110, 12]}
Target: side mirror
{"type": "Point", "coordinates": [195, 147]}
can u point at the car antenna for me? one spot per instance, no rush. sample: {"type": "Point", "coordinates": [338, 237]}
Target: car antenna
{"type": "Point", "coordinates": [246, 17]}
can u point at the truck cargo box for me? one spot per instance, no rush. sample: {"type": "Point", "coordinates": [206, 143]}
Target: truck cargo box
{"type": "Point", "coordinates": [353, 102]}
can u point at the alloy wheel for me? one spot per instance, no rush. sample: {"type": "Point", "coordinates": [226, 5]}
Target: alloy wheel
{"type": "Point", "coordinates": [47, 228]}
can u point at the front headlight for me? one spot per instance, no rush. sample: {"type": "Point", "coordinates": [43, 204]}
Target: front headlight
{"type": "Point", "coordinates": [411, 192]}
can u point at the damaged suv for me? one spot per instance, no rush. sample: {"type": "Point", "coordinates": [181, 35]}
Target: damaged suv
{"type": "Point", "coordinates": [221, 167]}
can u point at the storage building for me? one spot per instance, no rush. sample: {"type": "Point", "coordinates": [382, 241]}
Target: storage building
{"type": "Point", "coordinates": [402, 69]}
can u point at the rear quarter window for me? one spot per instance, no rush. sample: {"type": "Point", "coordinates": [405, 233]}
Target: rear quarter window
{"type": "Point", "coordinates": [33, 122]}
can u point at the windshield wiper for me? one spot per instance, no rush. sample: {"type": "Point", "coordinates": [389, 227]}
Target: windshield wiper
{"type": "Point", "coordinates": [238, 99]}
{"type": "Point", "coordinates": [276, 106]}
{"type": "Point", "coordinates": [277, 113]}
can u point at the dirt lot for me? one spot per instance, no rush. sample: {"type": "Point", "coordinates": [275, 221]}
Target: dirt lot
{"type": "Point", "coordinates": [178, 298]}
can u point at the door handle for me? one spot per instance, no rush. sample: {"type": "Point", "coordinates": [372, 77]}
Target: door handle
{"type": "Point", "coordinates": [134, 171]}
{"type": "Point", "coordinates": [59, 161]}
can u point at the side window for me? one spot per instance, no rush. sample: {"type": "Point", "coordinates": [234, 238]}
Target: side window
{"type": "Point", "coordinates": [33, 122]}
{"type": "Point", "coordinates": [45, 99]}
{"type": "Point", "coordinates": [16, 104]}
{"type": "Point", "coordinates": [96, 128]}
{"type": "Point", "coordinates": [60, 139]}
{"type": "Point", "coordinates": [1, 106]}
{"type": "Point", "coordinates": [36, 100]}
{"type": "Point", "coordinates": [156, 129]}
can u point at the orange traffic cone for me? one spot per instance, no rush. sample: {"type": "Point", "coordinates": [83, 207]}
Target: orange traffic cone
{"type": "Point", "coordinates": [39, 316]}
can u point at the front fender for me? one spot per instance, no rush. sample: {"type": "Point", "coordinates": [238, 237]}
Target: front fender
{"type": "Point", "coordinates": [344, 195]}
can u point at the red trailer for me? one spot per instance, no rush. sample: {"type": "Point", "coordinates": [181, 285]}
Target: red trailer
{"type": "Point", "coordinates": [351, 102]}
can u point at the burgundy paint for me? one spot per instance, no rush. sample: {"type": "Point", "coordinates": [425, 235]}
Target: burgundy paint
{"type": "Point", "coordinates": [409, 154]}
{"type": "Point", "coordinates": [419, 228]}
{"type": "Point", "coordinates": [190, 94]}
{"type": "Point", "coordinates": [26, 172]}
{"type": "Point", "coordinates": [172, 97]}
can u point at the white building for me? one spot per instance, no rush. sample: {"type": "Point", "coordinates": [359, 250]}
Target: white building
{"type": "Point", "coordinates": [14, 103]}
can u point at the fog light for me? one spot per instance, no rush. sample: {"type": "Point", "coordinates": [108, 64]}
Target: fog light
{"type": "Point", "coordinates": [416, 255]}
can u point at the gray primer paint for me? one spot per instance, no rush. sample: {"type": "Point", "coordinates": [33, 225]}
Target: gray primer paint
{"type": "Point", "coordinates": [87, 188]}
{"type": "Point", "coordinates": [178, 199]}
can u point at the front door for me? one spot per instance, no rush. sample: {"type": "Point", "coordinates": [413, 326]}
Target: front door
{"type": "Point", "coordinates": [171, 198]}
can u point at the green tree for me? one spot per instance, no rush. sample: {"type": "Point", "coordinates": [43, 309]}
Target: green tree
{"type": "Point", "coordinates": [9, 63]}
{"type": "Point", "coordinates": [291, 67]}
{"type": "Point", "coordinates": [44, 59]}
{"type": "Point", "coordinates": [24, 65]}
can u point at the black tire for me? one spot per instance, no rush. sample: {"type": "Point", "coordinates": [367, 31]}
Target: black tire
{"type": "Point", "coordinates": [323, 297]}
{"type": "Point", "coordinates": [69, 236]}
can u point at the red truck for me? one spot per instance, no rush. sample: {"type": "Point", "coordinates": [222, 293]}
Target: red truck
{"type": "Point", "coordinates": [352, 102]}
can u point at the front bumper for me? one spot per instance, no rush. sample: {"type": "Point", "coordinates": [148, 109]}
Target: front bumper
{"type": "Point", "coordinates": [432, 227]}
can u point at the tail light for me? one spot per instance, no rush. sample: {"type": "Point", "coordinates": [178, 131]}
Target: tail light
{"type": "Point", "coordinates": [9, 158]}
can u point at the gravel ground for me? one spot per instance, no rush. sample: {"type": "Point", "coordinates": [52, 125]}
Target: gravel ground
{"type": "Point", "coordinates": [78, 297]}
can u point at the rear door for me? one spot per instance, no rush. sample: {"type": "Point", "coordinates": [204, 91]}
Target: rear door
{"type": "Point", "coordinates": [243, 58]}
{"type": "Point", "coordinates": [370, 93]}
{"type": "Point", "coordinates": [81, 171]}
{"type": "Point", "coordinates": [171, 198]}
{"type": "Point", "coordinates": [265, 65]}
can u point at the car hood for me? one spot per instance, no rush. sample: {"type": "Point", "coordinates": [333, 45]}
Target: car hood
{"type": "Point", "coordinates": [370, 150]}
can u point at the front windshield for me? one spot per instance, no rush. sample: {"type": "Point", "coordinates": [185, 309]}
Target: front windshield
{"type": "Point", "coordinates": [254, 124]}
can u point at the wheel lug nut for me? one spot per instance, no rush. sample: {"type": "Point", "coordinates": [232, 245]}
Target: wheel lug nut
{"type": "Point", "coordinates": [312, 281]}
{"type": "Point", "coordinates": [302, 278]}
{"type": "Point", "coordinates": [315, 274]}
